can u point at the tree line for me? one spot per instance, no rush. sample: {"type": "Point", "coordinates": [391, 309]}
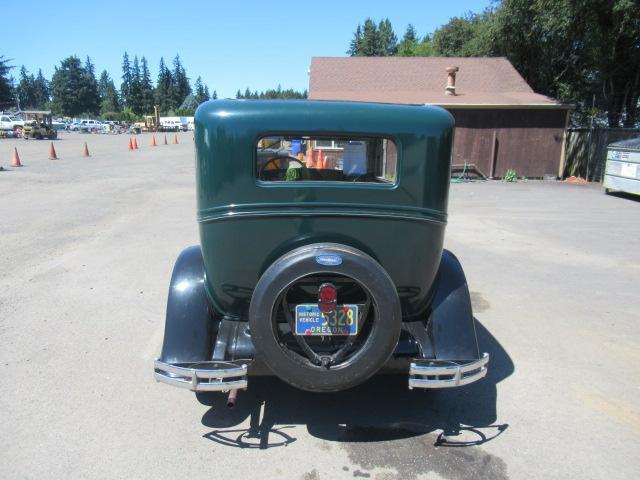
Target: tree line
{"type": "Point", "coordinates": [585, 52]}
{"type": "Point", "coordinates": [75, 90]}
{"type": "Point", "coordinates": [272, 94]}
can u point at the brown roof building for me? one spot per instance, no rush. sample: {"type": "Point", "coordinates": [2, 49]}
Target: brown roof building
{"type": "Point", "coordinates": [501, 123]}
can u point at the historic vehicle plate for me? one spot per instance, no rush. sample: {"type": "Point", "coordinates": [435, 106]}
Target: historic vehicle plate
{"type": "Point", "coordinates": [311, 321]}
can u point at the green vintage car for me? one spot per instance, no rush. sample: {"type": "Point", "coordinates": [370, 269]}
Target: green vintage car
{"type": "Point", "coordinates": [321, 254]}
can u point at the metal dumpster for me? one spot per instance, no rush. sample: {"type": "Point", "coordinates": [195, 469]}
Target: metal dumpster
{"type": "Point", "coordinates": [622, 171]}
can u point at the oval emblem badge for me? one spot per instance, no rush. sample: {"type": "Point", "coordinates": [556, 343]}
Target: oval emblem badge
{"type": "Point", "coordinates": [329, 260]}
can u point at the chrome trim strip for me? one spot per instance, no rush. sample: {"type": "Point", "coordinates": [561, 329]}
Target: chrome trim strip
{"type": "Point", "coordinates": [457, 374]}
{"type": "Point", "coordinates": [253, 210]}
{"type": "Point", "coordinates": [315, 214]}
{"type": "Point", "coordinates": [184, 375]}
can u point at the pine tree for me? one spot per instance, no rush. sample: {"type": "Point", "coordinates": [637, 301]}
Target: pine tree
{"type": "Point", "coordinates": [354, 47]}
{"type": "Point", "coordinates": [89, 92]}
{"type": "Point", "coordinates": [25, 90]}
{"type": "Point", "coordinates": [164, 88]}
{"type": "Point", "coordinates": [387, 40]}
{"type": "Point", "coordinates": [369, 46]}
{"type": "Point", "coordinates": [71, 93]}
{"type": "Point", "coordinates": [6, 84]}
{"type": "Point", "coordinates": [134, 102]}
{"type": "Point", "coordinates": [201, 91]}
{"type": "Point", "coordinates": [180, 87]}
{"type": "Point", "coordinates": [146, 88]}
{"type": "Point", "coordinates": [214, 95]}
{"type": "Point", "coordinates": [125, 89]}
{"type": "Point", "coordinates": [41, 91]}
{"type": "Point", "coordinates": [238, 94]}
{"type": "Point", "coordinates": [109, 101]}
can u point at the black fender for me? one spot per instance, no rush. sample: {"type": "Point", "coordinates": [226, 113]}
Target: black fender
{"type": "Point", "coordinates": [188, 324]}
{"type": "Point", "coordinates": [451, 324]}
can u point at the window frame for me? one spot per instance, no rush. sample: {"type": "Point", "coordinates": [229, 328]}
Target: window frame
{"type": "Point", "coordinates": [328, 183]}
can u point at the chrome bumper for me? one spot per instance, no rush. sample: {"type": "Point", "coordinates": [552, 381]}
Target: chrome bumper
{"type": "Point", "coordinates": [425, 373]}
{"type": "Point", "coordinates": [203, 376]}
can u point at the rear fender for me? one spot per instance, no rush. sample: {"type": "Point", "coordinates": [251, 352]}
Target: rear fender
{"type": "Point", "coordinates": [451, 323]}
{"type": "Point", "coordinates": [188, 324]}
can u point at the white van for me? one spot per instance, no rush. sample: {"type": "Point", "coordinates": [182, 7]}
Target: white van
{"type": "Point", "coordinates": [172, 124]}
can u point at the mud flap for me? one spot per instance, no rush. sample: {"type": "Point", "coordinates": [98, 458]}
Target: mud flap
{"type": "Point", "coordinates": [188, 325]}
{"type": "Point", "coordinates": [451, 323]}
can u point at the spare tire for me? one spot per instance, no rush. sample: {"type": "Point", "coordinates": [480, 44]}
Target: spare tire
{"type": "Point", "coordinates": [381, 327]}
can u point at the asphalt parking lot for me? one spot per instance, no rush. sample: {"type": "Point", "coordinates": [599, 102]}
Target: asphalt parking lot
{"type": "Point", "coordinates": [86, 251]}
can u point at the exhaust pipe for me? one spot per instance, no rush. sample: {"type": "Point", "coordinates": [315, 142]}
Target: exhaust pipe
{"type": "Point", "coordinates": [231, 399]}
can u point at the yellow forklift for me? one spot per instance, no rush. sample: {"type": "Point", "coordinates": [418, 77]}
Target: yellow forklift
{"type": "Point", "coordinates": [151, 123]}
{"type": "Point", "coordinates": [37, 124]}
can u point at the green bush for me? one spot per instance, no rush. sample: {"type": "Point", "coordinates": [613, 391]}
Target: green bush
{"type": "Point", "coordinates": [510, 176]}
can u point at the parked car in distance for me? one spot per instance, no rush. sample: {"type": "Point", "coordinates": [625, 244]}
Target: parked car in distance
{"type": "Point", "coordinates": [11, 122]}
{"type": "Point", "coordinates": [89, 125]}
{"type": "Point", "coordinates": [321, 255]}
{"type": "Point", "coordinates": [173, 124]}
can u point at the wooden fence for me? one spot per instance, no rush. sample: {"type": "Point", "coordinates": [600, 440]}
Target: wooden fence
{"type": "Point", "coordinates": [586, 150]}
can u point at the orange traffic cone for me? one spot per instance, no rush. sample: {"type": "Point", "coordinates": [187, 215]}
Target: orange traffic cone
{"type": "Point", "coordinates": [310, 162]}
{"type": "Point", "coordinates": [52, 153]}
{"type": "Point", "coordinates": [165, 140]}
{"type": "Point", "coordinates": [135, 143]}
{"type": "Point", "coordinates": [130, 144]}
{"type": "Point", "coordinates": [15, 159]}
{"type": "Point", "coordinates": [153, 141]}
{"type": "Point", "coordinates": [85, 152]}
{"type": "Point", "coordinates": [175, 139]}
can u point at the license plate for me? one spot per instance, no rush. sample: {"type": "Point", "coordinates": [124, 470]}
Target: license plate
{"type": "Point", "coordinates": [311, 321]}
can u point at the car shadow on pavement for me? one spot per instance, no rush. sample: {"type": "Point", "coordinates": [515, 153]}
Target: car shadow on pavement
{"type": "Point", "coordinates": [381, 409]}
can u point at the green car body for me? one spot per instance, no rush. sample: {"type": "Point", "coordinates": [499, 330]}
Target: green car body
{"type": "Point", "coordinates": [320, 267]}
{"type": "Point", "coordinates": [245, 224]}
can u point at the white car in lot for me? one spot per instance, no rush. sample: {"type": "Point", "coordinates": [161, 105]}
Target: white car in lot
{"type": "Point", "coordinates": [90, 125]}
{"type": "Point", "coordinates": [173, 124]}
{"type": "Point", "coordinates": [10, 122]}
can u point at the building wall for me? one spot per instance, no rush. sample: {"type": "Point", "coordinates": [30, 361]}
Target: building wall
{"type": "Point", "coordinates": [528, 141]}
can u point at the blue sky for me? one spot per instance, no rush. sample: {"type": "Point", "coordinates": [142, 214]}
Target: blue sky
{"type": "Point", "coordinates": [232, 45]}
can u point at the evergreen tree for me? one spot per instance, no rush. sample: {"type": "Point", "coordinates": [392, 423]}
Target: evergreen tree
{"type": "Point", "coordinates": [134, 101]}
{"type": "Point", "coordinates": [370, 40]}
{"type": "Point", "coordinates": [180, 86]}
{"type": "Point", "coordinates": [409, 43]}
{"type": "Point", "coordinates": [146, 88]}
{"type": "Point", "coordinates": [356, 42]}
{"type": "Point", "coordinates": [369, 46]}
{"type": "Point", "coordinates": [6, 84]}
{"type": "Point", "coordinates": [125, 89]}
{"type": "Point", "coordinates": [90, 88]}
{"type": "Point", "coordinates": [214, 95]}
{"type": "Point", "coordinates": [25, 90]}
{"type": "Point", "coordinates": [201, 91]}
{"type": "Point", "coordinates": [164, 88]}
{"type": "Point", "coordinates": [41, 91]}
{"type": "Point", "coordinates": [270, 94]}
{"type": "Point", "coordinates": [109, 101]}
{"type": "Point", "coordinates": [71, 92]}
{"type": "Point", "coordinates": [387, 44]}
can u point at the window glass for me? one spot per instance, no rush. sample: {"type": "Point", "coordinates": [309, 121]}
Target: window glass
{"type": "Point", "coordinates": [283, 158]}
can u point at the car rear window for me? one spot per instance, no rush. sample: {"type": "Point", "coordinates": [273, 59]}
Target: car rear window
{"type": "Point", "coordinates": [286, 158]}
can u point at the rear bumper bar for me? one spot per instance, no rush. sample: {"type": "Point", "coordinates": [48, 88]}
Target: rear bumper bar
{"type": "Point", "coordinates": [425, 373]}
{"type": "Point", "coordinates": [203, 376]}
